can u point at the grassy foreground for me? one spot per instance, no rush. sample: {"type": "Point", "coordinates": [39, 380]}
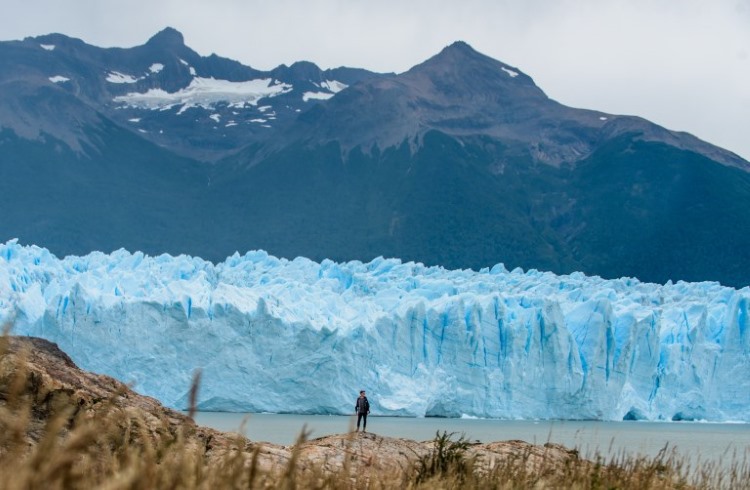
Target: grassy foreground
{"type": "Point", "coordinates": [53, 437]}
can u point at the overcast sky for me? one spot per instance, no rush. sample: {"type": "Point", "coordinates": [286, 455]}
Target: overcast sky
{"type": "Point", "coordinates": [684, 64]}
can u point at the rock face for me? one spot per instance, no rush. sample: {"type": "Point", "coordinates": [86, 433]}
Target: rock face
{"type": "Point", "coordinates": [53, 384]}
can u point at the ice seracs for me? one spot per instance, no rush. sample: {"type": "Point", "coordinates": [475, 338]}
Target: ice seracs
{"type": "Point", "coordinates": [280, 335]}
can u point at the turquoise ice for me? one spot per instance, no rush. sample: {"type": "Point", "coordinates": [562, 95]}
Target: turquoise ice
{"type": "Point", "coordinates": [297, 336]}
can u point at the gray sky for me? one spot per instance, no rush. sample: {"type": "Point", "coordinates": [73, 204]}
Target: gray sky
{"type": "Point", "coordinates": [684, 64]}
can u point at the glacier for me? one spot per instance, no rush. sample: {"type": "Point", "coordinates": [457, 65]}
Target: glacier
{"type": "Point", "coordinates": [297, 336]}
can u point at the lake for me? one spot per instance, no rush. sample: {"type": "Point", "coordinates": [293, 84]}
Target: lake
{"type": "Point", "coordinates": [695, 440]}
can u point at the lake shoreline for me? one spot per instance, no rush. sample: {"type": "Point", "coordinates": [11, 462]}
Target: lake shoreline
{"type": "Point", "coordinates": [59, 414]}
{"type": "Point", "coordinates": [704, 440]}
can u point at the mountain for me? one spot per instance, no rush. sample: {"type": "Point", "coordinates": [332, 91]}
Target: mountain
{"type": "Point", "coordinates": [464, 162]}
{"type": "Point", "coordinates": [273, 335]}
{"type": "Point", "coordinates": [461, 161]}
{"type": "Point", "coordinates": [200, 107]}
{"type": "Point", "coordinates": [462, 93]}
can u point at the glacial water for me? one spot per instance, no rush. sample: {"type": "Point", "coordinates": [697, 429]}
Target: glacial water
{"type": "Point", "coordinates": [696, 441]}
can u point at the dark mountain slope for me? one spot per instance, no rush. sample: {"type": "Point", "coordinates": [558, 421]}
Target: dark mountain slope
{"type": "Point", "coordinates": [441, 205]}
{"type": "Point", "coordinates": [649, 210]}
{"type": "Point", "coordinates": [632, 208]}
{"type": "Point", "coordinates": [121, 192]}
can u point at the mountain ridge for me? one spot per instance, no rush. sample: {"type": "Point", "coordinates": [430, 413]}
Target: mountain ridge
{"type": "Point", "coordinates": [469, 93]}
{"type": "Point", "coordinates": [461, 161]}
{"type": "Point", "coordinates": [199, 107]}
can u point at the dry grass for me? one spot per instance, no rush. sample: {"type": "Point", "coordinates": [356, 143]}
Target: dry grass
{"type": "Point", "coordinates": [58, 445]}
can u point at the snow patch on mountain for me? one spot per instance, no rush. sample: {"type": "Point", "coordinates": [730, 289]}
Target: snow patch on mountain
{"type": "Point", "coordinates": [334, 86]}
{"type": "Point", "coordinates": [511, 73]}
{"type": "Point", "coordinates": [316, 96]}
{"type": "Point", "coordinates": [298, 336]}
{"type": "Point", "coordinates": [205, 93]}
{"type": "Point", "coordinates": [47, 47]}
{"type": "Point", "coordinates": [117, 77]}
{"type": "Point", "coordinates": [156, 68]}
{"type": "Point", "coordinates": [192, 70]}
{"type": "Point", "coordinates": [59, 79]}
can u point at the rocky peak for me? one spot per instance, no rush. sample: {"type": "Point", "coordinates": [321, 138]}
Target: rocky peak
{"type": "Point", "coordinates": [463, 69]}
{"type": "Point", "coordinates": [168, 37]}
{"type": "Point", "coordinates": [459, 51]}
{"type": "Point", "coordinates": [57, 40]}
{"type": "Point", "coordinates": [301, 70]}
{"type": "Point", "coordinates": [459, 92]}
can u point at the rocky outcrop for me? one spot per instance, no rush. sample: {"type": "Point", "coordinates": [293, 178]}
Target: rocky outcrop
{"type": "Point", "coordinates": [35, 373]}
{"type": "Point", "coordinates": [367, 452]}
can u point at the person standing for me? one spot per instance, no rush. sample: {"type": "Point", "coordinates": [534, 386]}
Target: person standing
{"type": "Point", "coordinates": [362, 408]}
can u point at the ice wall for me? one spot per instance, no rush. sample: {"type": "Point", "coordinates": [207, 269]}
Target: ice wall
{"type": "Point", "coordinates": [298, 336]}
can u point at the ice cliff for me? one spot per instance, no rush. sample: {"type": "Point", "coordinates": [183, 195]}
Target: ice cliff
{"type": "Point", "coordinates": [274, 335]}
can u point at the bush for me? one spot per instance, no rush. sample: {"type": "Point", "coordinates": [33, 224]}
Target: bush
{"type": "Point", "coordinates": [448, 457]}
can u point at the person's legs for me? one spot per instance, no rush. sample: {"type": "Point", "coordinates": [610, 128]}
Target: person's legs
{"type": "Point", "coordinates": [359, 419]}
{"type": "Point", "coordinates": [364, 422]}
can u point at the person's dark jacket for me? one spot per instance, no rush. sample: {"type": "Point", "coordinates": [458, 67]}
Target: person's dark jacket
{"type": "Point", "coordinates": [362, 405]}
